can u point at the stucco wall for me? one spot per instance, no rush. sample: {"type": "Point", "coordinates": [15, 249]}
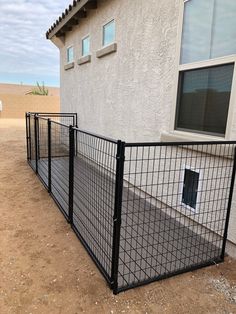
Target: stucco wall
{"type": "Point", "coordinates": [232, 222]}
{"type": "Point", "coordinates": [128, 94]}
{"type": "Point", "coordinates": [122, 94]}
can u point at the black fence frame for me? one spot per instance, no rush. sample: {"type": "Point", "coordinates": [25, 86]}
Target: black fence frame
{"type": "Point", "coordinates": [120, 147]}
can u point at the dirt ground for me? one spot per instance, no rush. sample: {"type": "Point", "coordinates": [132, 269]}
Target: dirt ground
{"type": "Point", "coordinates": [45, 269]}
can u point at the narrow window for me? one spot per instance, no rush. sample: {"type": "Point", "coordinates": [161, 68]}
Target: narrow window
{"type": "Point", "coordinates": [190, 189]}
{"type": "Point", "coordinates": [109, 33]}
{"type": "Point", "coordinates": [203, 99]}
{"type": "Point", "coordinates": [86, 46]}
{"type": "Point", "coordinates": [70, 54]}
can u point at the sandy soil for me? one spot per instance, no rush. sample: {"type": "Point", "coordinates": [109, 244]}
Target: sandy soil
{"type": "Point", "coordinates": [45, 269]}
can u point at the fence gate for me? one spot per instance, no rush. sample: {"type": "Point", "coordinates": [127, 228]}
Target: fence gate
{"type": "Point", "coordinates": [59, 165]}
{"type": "Point", "coordinates": [31, 140]}
{"type": "Point", "coordinates": [143, 211]}
{"type": "Point", "coordinates": [42, 151]}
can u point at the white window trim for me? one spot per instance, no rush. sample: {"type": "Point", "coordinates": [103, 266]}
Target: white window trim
{"type": "Point", "coordinates": [109, 21]}
{"type": "Point", "coordinates": [68, 62]}
{"type": "Point", "coordinates": [84, 37]}
{"type": "Point", "coordinates": [196, 65]}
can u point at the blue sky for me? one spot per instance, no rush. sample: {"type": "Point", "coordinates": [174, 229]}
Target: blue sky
{"type": "Point", "coordinates": [25, 54]}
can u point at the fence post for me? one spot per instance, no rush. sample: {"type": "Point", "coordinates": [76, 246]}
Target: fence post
{"type": "Point", "coordinates": [27, 134]}
{"type": "Point", "coordinates": [30, 139]}
{"type": "Point", "coordinates": [120, 158]}
{"type": "Point", "coordinates": [49, 157]}
{"type": "Point", "coordinates": [229, 207]}
{"type": "Point", "coordinates": [76, 142]}
{"type": "Point", "coordinates": [71, 171]}
{"type": "Point", "coordinates": [36, 141]}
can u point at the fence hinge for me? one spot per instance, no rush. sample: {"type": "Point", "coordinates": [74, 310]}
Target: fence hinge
{"type": "Point", "coordinates": [117, 220]}
{"type": "Point", "coordinates": [120, 157]}
{"type": "Point", "coordinates": [112, 283]}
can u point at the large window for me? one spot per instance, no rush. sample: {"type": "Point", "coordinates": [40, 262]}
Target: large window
{"type": "Point", "coordinates": [208, 54]}
{"type": "Point", "coordinates": [209, 30]}
{"type": "Point", "coordinates": [109, 33]}
{"type": "Point", "coordinates": [203, 102]}
{"type": "Point", "coordinates": [86, 46]}
{"type": "Point", "coordinates": [70, 54]}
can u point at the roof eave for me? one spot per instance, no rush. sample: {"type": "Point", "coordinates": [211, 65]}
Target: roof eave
{"type": "Point", "coordinates": [70, 18]}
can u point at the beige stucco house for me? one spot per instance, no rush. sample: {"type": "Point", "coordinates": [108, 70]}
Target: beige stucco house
{"type": "Point", "coordinates": [150, 71]}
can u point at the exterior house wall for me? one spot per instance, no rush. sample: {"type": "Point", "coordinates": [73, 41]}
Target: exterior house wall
{"type": "Point", "coordinates": [232, 222]}
{"type": "Point", "coordinates": [159, 172]}
{"type": "Point", "coordinates": [122, 94]}
{"type": "Point", "coordinates": [128, 94]}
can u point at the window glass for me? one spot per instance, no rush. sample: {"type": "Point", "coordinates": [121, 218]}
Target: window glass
{"type": "Point", "coordinates": [209, 30]}
{"type": "Point", "coordinates": [86, 46]}
{"type": "Point", "coordinates": [203, 99]}
{"type": "Point", "coordinates": [109, 33]}
{"type": "Point", "coordinates": [224, 30]}
{"type": "Point", "coordinates": [70, 54]}
{"type": "Point", "coordinates": [196, 35]}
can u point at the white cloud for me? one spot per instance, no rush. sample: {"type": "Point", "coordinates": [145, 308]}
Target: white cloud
{"type": "Point", "coordinates": [24, 49]}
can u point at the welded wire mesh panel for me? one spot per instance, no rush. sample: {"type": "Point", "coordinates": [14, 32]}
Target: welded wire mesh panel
{"type": "Point", "coordinates": [42, 130]}
{"type": "Point", "coordinates": [173, 199]}
{"type": "Point", "coordinates": [60, 165]}
{"type": "Point", "coordinates": [32, 153]}
{"type": "Point", "coordinates": [67, 120]}
{"type": "Point", "coordinates": [63, 118]}
{"type": "Point", "coordinates": [60, 140]}
{"type": "Point", "coordinates": [94, 193]}
{"type": "Point", "coordinates": [174, 209]}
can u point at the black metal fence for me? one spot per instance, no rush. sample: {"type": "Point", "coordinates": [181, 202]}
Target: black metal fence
{"type": "Point", "coordinates": [143, 211]}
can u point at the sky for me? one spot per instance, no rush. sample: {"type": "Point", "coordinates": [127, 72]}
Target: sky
{"type": "Point", "coordinates": [26, 56]}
